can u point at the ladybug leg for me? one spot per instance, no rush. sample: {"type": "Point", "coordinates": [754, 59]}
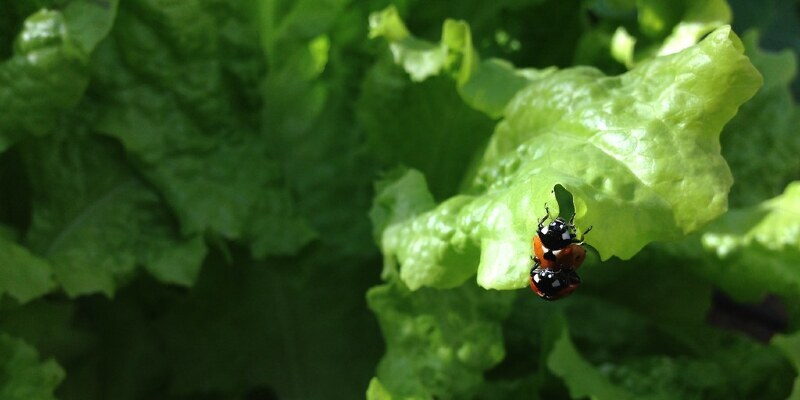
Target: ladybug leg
{"type": "Point", "coordinates": [572, 219]}
{"type": "Point", "coordinates": [541, 221]}
{"type": "Point", "coordinates": [584, 234]}
{"type": "Point", "coordinates": [534, 268]}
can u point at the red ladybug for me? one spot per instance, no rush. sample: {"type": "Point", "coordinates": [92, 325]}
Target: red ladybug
{"type": "Point", "coordinates": [557, 254]}
{"type": "Point", "coordinates": [552, 284]}
{"type": "Point", "coordinates": [556, 245]}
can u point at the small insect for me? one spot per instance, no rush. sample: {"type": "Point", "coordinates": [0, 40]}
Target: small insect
{"type": "Point", "coordinates": [557, 253]}
{"type": "Point", "coordinates": [556, 245]}
{"type": "Point", "coordinates": [552, 284]}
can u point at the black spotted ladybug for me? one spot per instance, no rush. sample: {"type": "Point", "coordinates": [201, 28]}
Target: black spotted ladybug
{"type": "Point", "coordinates": [556, 245]}
{"type": "Point", "coordinates": [551, 284]}
{"type": "Point", "coordinates": [557, 253]}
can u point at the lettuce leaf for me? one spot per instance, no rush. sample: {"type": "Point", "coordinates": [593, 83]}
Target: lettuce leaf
{"type": "Point", "coordinates": [486, 85]}
{"type": "Point", "coordinates": [699, 19]}
{"type": "Point", "coordinates": [400, 195]}
{"type": "Point", "coordinates": [46, 76]}
{"type": "Point", "coordinates": [296, 318]}
{"type": "Point", "coordinates": [185, 106]}
{"type": "Point", "coordinates": [761, 142]}
{"type": "Point", "coordinates": [676, 377]}
{"type": "Point", "coordinates": [579, 129]}
{"type": "Point", "coordinates": [581, 377]}
{"type": "Point", "coordinates": [156, 128]}
{"type": "Point", "coordinates": [23, 275]}
{"type": "Point", "coordinates": [758, 248]}
{"type": "Point", "coordinates": [610, 346]}
{"type": "Point", "coordinates": [789, 345]}
{"type": "Point", "coordinates": [48, 72]}
{"type": "Point", "coordinates": [438, 343]}
{"type": "Point", "coordinates": [748, 250]}
{"type": "Point", "coordinates": [656, 347]}
{"type": "Point", "coordinates": [376, 391]}
{"type": "Point", "coordinates": [24, 376]}
{"type": "Point", "coordinates": [776, 21]}
{"type": "Point", "coordinates": [95, 220]}
{"type": "Point", "coordinates": [625, 33]}
{"type": "Point", "coordinates": [414, 135]}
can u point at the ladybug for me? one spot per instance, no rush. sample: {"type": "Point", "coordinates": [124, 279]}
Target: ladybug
{"type": "Point", "coordinates": [556, 245]}
{"type": "Point", "coordinates": [552, 284]}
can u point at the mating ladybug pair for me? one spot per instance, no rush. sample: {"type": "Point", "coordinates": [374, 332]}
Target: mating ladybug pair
{"type": "Point", "coordinates": [557, 254]}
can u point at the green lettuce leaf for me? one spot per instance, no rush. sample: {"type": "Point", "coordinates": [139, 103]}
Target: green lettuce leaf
{"type": "Point", "coordinates": [758, 248]}
{"type": "Point", "coordinates": [46, 76]}
{"type": "Point", "coordinates": [183, 99]}
{"type": "Point", "coordinates": [486, 85]}
{"type": "Point", "coordinates": [292, 97]}
{"type": "Point", "coordinates": [244, 330]}
{"type": "Point", "coordinates": [618, 348]}
{"type": "Point", "coordinates": [657, 346]}
{"type": "Point", "coordinates": [408, 123]}
{"type": "Point", "coordinates": [789, 345]}
{"type": "Point", "coordinates": [638, 152]}
{"type": "Point", "coordinates": [400, 195]}
{"type": "Point", "coordinates": [314, 54]}
{"type": "Point", "coordinates": [723, 377]}
{"type": "Point", "coordinates": [698, 19]}
{"type": "Point", "coordinates": [376, 391]}
{"type": "Point", "coordinates": [762, 142]}
{"type": "Point", "coordinates": [438, 342]}
{"type": "Point", "coordinates": [89, 22]}
{"type": "Point", "coordinates": [776, 21]}
{"type": "Point", "coordinates": [48, 73]}
{"type": "Point", "coordinates": [668, 27]}
{"type": "Point", "coordinates": [742, 251]}
{"type": "Point", "coordinates": [581, 377]}
{"type": "Point", "coordinates": [95, 220]}
{"type": "Point", "coordinates": [23, 375]}
{"type": "Point", "coordinates": [23, 275]}
{"type": "Point", "coordinates": [293, 319]}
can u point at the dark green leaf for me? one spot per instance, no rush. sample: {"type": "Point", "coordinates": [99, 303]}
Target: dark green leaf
{"type": "Point", "coordinates": [95, 220]}
{"type": "Point", "coordinates": [184, 104]}
{"type": "Point", "coordinates": [46, 76]}
{"type": "Point", "coordinates": [438, 342]}
{"type": "Point", "coordinates": [23, 376]}
{"type": "Point", "coordinates": [762, 141]}
{"type": "Point", "coordinates": [23, 275]}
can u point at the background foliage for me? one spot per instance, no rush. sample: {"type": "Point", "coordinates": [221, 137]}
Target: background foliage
{"type": "Point", "coordinates": [263, 199]}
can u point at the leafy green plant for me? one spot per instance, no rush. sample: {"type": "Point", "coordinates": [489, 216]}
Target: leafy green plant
{"type": "Point", "coordinates": [639, 154]}
{"type": "Point", "coordinates": [301, 199]}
